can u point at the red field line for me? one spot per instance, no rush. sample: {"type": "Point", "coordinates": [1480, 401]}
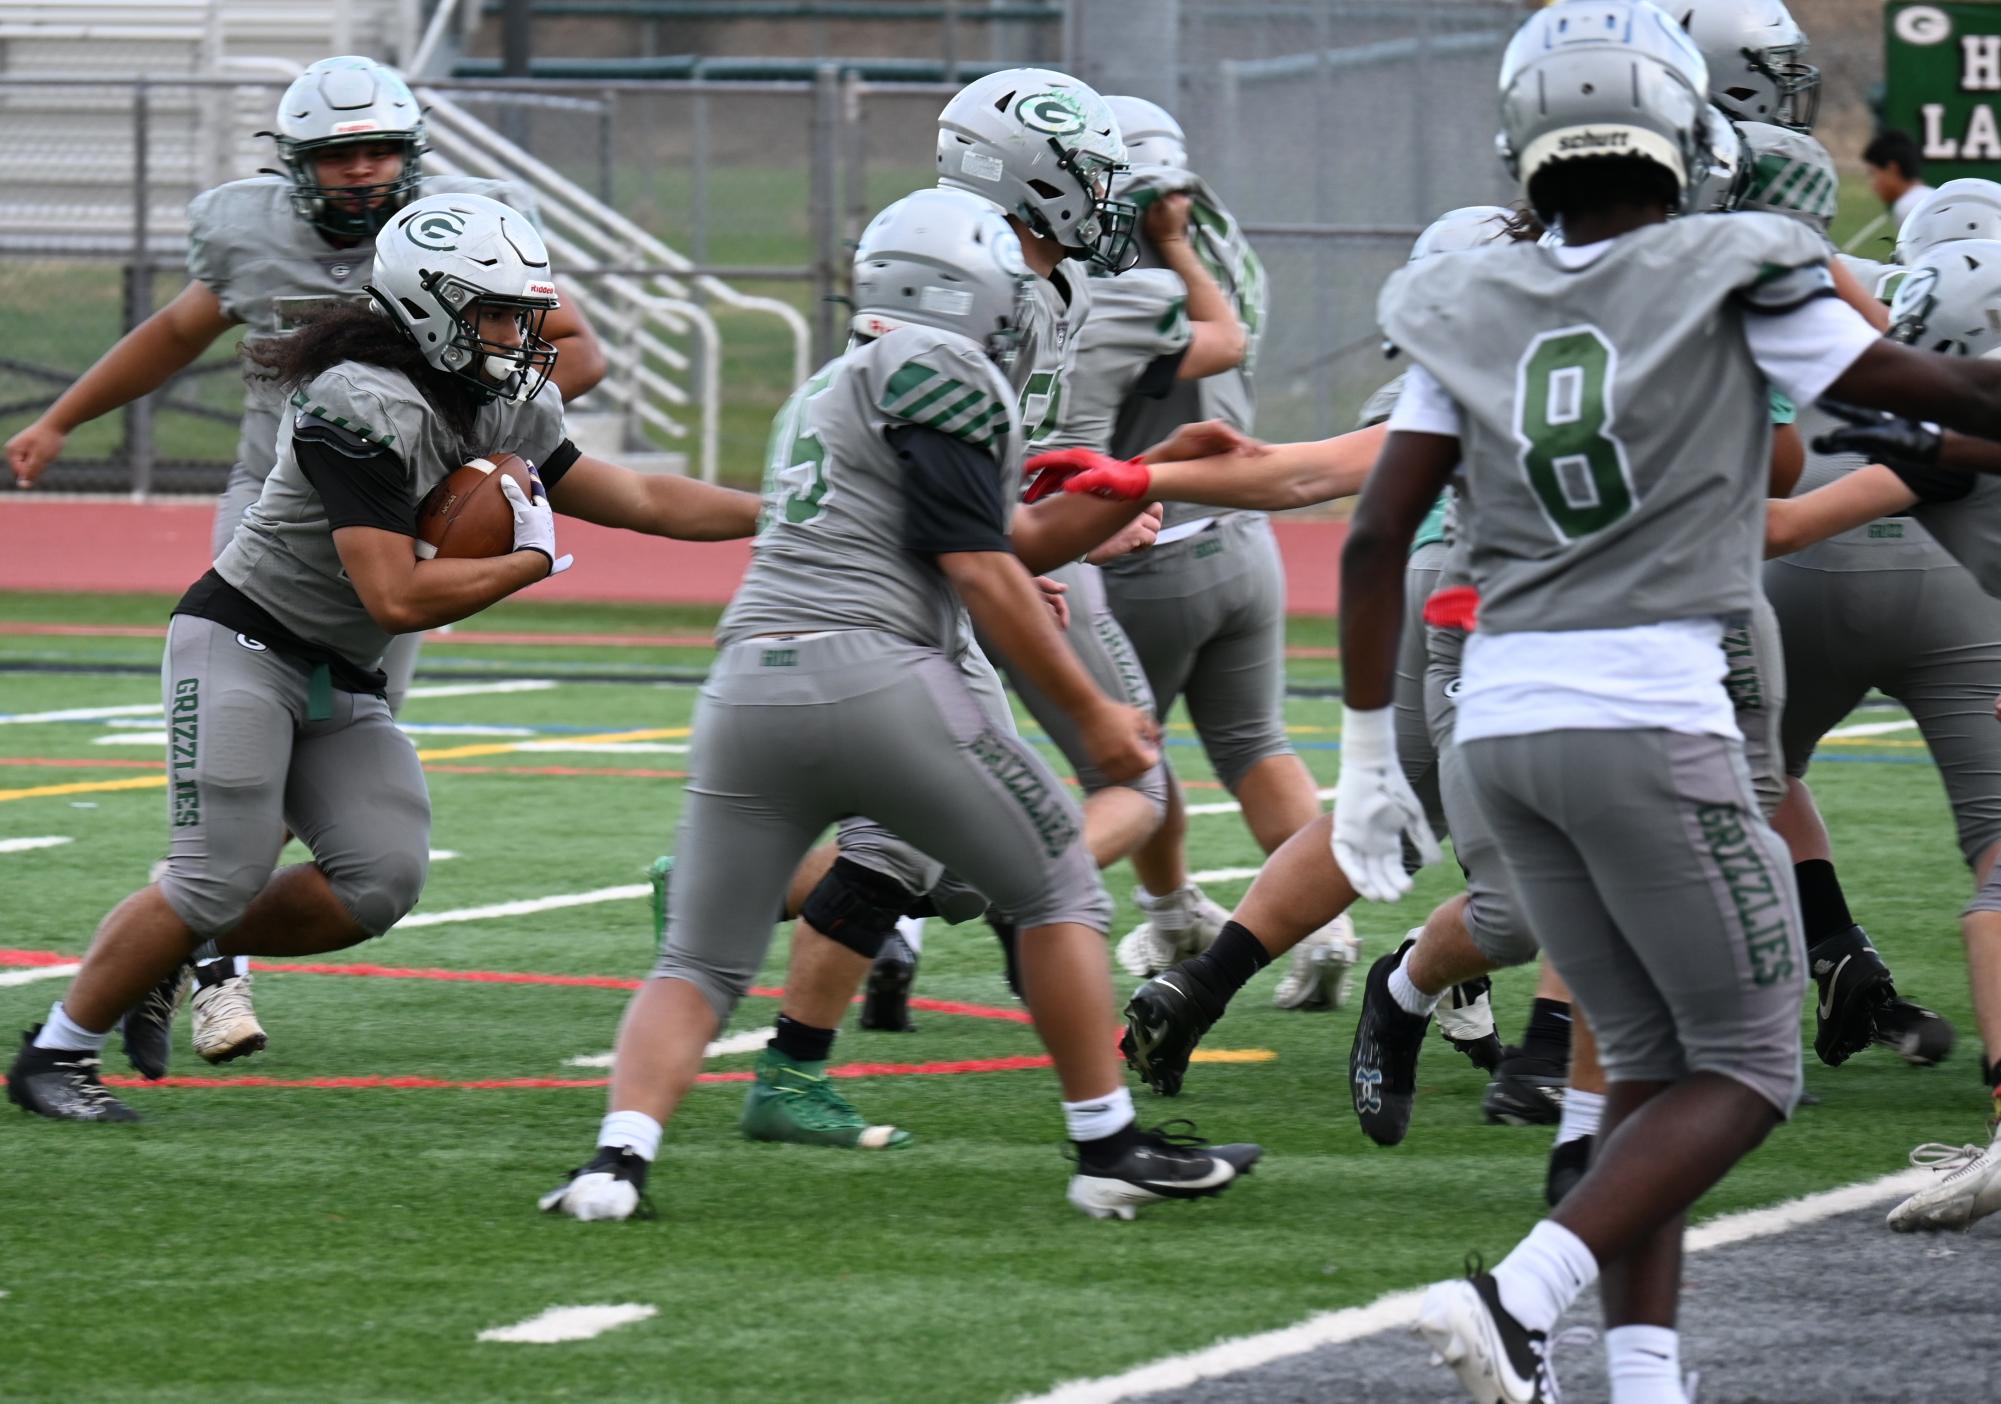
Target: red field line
{"type": "Point", "coordinates": [538, 1084]}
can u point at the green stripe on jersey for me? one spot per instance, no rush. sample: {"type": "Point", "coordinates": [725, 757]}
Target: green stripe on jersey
{"type": "Point", "coordinates": [906, 379]}
{"type": "Point", "coordinates": [1176, 313]}
{"type": "Point", "coordinates": [353, 426]}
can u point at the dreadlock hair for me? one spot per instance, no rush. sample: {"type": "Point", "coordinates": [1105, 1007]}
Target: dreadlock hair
{"type": "Point", "coordinates": [1601, 182]}
{"type": "Point", "coordinates": [347, 332]}
{"type": "Point", "coordinates": [1522, 226]}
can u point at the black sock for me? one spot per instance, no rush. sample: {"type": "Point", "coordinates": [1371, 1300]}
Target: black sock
{"type": "Point", "coordinates": [1005, 932]}
{"type": "Point", "coordinates": [1228, 965]}
{"type": "Point", "coordinates": [1548, 1034]}
{"type": "Point", "coordinates": [1823, 910]}
{"type": "Point", "coordinates": [802, 1043]}
{"type": "Point", "coordinates": [1107, 1148]}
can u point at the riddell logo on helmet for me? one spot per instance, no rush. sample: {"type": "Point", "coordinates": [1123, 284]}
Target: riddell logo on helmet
{"type": "Point", "coordinates": [364, 124]}
{"type": "Point", "coordinates": [1589, 140]}
{"type": "Point", "coordinates": [534, 289]}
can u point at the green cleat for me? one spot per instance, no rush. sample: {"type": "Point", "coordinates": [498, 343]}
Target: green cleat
{"type": "Point", "coordinates": [792, 1101]}
{"type": "Point", "coordinates": [660, 874]}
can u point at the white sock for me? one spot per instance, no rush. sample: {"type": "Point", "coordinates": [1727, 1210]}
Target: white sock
{"type": "Point", "coordinates": [1582, 1111]}
{"type": "Point", "coordinates": [631, 1130]}
{"type": "Point", "coordinates": [911, 929]}
{"type": "Point", "coordinates": [1099, 1117]}
{"type": "Point", "coordinates": [1645, 1365]}
{"type": "Point", "coordinates": [67, 1034]}
{"type": "Point", "coordinates": [1542, 1277]}
{"type": "Point", "coordinates": [1405, 992]}
{"type": "Point", "coordinates": [1167, 914]}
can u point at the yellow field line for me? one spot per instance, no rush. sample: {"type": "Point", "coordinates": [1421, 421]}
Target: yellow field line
{"type": "Point", "coordinates": [1233, 1055]}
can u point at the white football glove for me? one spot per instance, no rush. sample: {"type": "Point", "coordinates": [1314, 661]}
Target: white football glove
{"type": "Point", "coordinates": [1375, 808]}
{"type": "Point", "coordinates": [534, 525]}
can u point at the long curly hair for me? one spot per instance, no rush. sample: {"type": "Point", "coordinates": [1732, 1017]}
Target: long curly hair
{"type": "Point", "coordinates": [350, 332]}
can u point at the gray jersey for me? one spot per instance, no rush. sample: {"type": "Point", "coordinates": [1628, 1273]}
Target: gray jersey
{"type": "Point", "coordinates": [1615, 440]}
{"type": "Point", "coordinates": [1049, 351]}
{"type": "Point", "coordinates": [1134, 320]}
{"type": "Point", "coordinates": [283, 555]}
{"type": "Point", "coordinates": [270, 269]}
{"type": "Point", "coordinates": [829, 553]}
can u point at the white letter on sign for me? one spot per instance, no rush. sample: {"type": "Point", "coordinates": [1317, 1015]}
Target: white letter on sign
{"type": "Point", "coordinates": [1983, 137]}
{"type": "Point", "coordinates": [1938, 146]}
{"type": "Point", "coordinates": [1980, 63]}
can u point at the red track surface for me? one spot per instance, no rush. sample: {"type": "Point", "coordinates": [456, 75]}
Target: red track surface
{"type": "Point", "coordinates": [52, 544]}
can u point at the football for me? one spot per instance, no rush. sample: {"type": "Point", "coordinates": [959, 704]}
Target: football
{"type": "Point", "coordinates": [467, 515]}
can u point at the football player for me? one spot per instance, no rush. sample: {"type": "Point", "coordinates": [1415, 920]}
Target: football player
{"type": "Point", "coordinates": [273, 683]}
{"type": "Point", "coordinates": [265, 253]}
{"type": "Point", "coordinates": [842, 688]}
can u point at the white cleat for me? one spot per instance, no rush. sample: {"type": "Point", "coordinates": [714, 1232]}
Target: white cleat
{"type": "Point", "coordinates": [225, 1026]}
{"type": "Point", "coordinates": [1319, 972]}
{"type": "Point", "coordinates": [1496, 1359]}
{"type": "Point", "coordinates": [611, 1188]}
{"type": "Point", "coordinates": [1183, 923]}
{"type": "Point", "coordinates": [1968, 1187]}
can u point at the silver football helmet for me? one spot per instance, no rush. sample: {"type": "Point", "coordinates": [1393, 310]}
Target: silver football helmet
{"type": "Point", "coordinates": [443, 260]}
{"type": "Point", "coordinates": [1754, 51]}
{"type": "Point", "coordinates": [1950, 302]}
{"type": "Point", "coordinates": [1727, 177]}
{"type": "Point", "coordinates": [1468, 227]}
{"type": "Point", "coordinates": [1044, 147]}
{"type": "Point", "coordinates": [1596, 78]}
{"type": "Point", "coordinates": [1966, 208]}
{"type": "Point", "coordinates": [345, 101]}
{"type": "Point", "coordinates": [948, 260]}
{"type": "Point", "coordinates": [1151, 135]}
{"type": "Point", "coordinates": [1791, 174]}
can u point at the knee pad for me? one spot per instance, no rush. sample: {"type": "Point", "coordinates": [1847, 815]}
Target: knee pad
{"type": "Point", "coordinates": [856, 906]}
{"type": "Point", "coordinates": [382, 893]}
{"type": "Point", "coordinates": [1497, 932]}
{"type": "Point", "coordinates": [722, 988]}
{"type": "Point", "coordinates": [211, 902]}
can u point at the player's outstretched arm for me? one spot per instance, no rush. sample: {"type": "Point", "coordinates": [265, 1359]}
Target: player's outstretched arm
{"type": "Point", "coordinates": [580, 361]}
{"type": "Point", "coordinates": [658, 504]}
{"type": "Point", "coordinates": [1849, 289]}
{"type": "Point", "coordinates": [1795, 523]}
{"type": "Point", "coordinates": [1217, 342]}
{"type": "Point", "coordinates": [1959, 392]}
{"type": "Point", "coordinates": [139, 363]}
{"type": "Point", "coordinates": [1262, 477]}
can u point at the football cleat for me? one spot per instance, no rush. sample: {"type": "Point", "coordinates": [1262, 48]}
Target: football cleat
{"type": "Point", "coordinates": [225, 1026]}
{"type": "Point", "coordinates": [612, 1186]}
{"type": "Point", "coordinates": [1526, 1090]}
{"type": "Point", "coordinates": [1968, 1187]}
{"type": "Point", "coordinates": [1183, 923]}
{"type": "Point", "coordinates": [1319, 972]}
{"type": "Point", "coordinates": [1497, 1359]}
{"type": "Point", "coordinates": [1854, 985]}
{"type": "Point", "coordinates": [789, 1101]}
{"type": "Point", "coordinates": [1165, 1019]}
{"type": "Point", "coordinates": [886, 998]}
{"type": "Point", "coordinates": [1009, 936]}
{"type": "Point", "coordinates": [659, 877]}
{"type": "Point", "coordinates": [1568, 1160]}
{"type": "Point", "coordinates": [1466, 1019]}
{"type": "Point", "coordinates": [1159, 1164]}
{"type": "Point", "coordinates": [1916, 1034]}
{"type": "Point", "coordinates": [147, 1031]}
{"type": "Point", "coordinates": [1382, 1061]}
{"type": "Point", "coordinates": [61, 1084]}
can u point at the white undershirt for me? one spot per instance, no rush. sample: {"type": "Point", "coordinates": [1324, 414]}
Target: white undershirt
{"type": "Point", "coordinates": [1907, 203]}
{"type": "Point", "coordinates": [1666, 676]}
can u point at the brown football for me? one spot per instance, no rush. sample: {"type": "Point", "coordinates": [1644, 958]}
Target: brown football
{"type": "Point", "coordinates": [466, 514]}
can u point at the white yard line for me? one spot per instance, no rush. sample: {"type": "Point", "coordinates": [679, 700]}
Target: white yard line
{"type": "Point", "coordinates": [24, 845]}
{"type": "Point", "coordinates": [137, 709]}
{"type": "Point", "coordinates": [736, 1043]}
{"type": "Point", "coordinates": [443, 855]}
{"type": "Point", "coordinates": [1232, 807]}
{"type": "Point", "coordinates": [38, 972]}
{"type": "Point", "coordinates": [527, 907]}
{"type": "Point", "coordinates": [606, 748]}
{"type": "Point", "coordinates": [1872, 728]}
{"type": "Point", "coordinates": [461, 729]}
{"type": "Point", "coordinates": [1399, 1309]}
{"type": "Point", "coordinates": [1225, 875]}
{"type": "Point", "coordinates": [159, 738]}
{"type": "Point", "coordinates": [417, 694]}
{"type": "Point", "coordinates": [570, 1323]}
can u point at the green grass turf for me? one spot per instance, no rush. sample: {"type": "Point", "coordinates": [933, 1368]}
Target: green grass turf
{"type": "Point", "coordinates": [272, 1244]}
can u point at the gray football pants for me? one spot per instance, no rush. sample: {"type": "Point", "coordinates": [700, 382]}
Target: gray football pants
{"type": "Point", "coordinates": [253, 746]}
{"type": "Point", "coordinates": [1411, 698]}
{"type": "Point", "coordinates": [795, 734]}
{"type": "Point", "coordinates": [1665, 899]}
{"type": "Point", "coordinates": [1205, 616]}
{"type": "Point", "coordinates": [1756, 682]}
{"type": "Point", "coordinates": [244, 488]}
{"type": "Point", "coordinates": [1107, 655]}
{"type": "Point", "coordinates": [1898, 615]}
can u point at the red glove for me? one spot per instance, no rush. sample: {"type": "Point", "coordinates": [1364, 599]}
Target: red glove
{"type": "Point", "coordinates": [1455, 608]}
{"type": "Point", "coordinates": [1086, 470]}
{"type": "Point", "coordinates": [1046, 473]}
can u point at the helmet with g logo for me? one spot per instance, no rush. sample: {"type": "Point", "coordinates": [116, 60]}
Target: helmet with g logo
{"type": "Point", "coordinates": [1151, 135]}
{"type": "Point", "coordinates": [949, 260]}
{"type": "Point", "coordinates": [347, 101]}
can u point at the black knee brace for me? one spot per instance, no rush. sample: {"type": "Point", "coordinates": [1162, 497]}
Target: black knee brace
{"type": "Point", "coordinates": [856, 906]}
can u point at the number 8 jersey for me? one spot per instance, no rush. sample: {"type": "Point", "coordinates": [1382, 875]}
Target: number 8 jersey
{"type": "Point", "coordinates": [1615, 425]}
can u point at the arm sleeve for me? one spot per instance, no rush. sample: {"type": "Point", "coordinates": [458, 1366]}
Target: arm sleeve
{"type": "Point", "coordinates": [1424, 407]}
{"type": "Point", "coordinates": [951, 493]}
{"type": "Point", "coordinates": [1805, 348]}
{"type": "Point", "coordinates": [1156, 382]}
{"type": "Point", "coordinates": [360, 483]}
{"type": "Point", "coordinates": [565, 454]}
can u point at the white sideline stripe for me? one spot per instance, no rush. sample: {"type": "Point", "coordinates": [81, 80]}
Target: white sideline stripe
{"type": "Point", "coordinates": [39, 972]}
{"type": "Point", "coordinates": [1232, 807]}
{"type": "Point", "coordinates": [1873, 728]}
{"type": "Point", "coordinates": [155, 739]}
{"type": "Point", "coordinates": [736, 1043]}
{"type": "Point", "coordinates": [482, 689]}
{"type": "Point", "coordinates": [606, 748]}
{"type": "Point", "coordinates": [570, 1323]}
{"type": "Point", "coordinates": [443, 855]}
{"type": "Point", "coordinates": [461, 729]}
{"type": "Point", "coordinates": [159, 738]}
{"type": "Point", "coordinates": [1400, 1308]}
{"type": "Point", "coordinates": [23, 845]}
{"type": "Point", "coordinates": [139, 709]}
{"type": "Point", "coordinates": [1225, 875]}
{"type": "Point", "coordinates": [527, 907]}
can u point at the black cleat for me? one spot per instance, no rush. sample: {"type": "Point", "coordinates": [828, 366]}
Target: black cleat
{"type": "Point", "coordinates": [1165, 1018]}
{"type": "Point", "coordinates": [1916, 1034]}
{"type": "Point", "coordinates": [1568, 1161]}
{"type": "Point", "coordinates": [1158, 1164]}
{"type": "Point", "coordinates": [1382, 1062]}
{"type": "Point", "coordinates": [1526, 1091]}
{"type": "Point", "coordinates": [61, 1084]}
{"type": "Point", "coordinates": [886, 1000]}
{"type": "Point", "coordinates": [1007, 934]}
{"type": "Point", "coordinates": [148, 1027]}
{"type": "Point", "coordinates": [1854, 985]}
